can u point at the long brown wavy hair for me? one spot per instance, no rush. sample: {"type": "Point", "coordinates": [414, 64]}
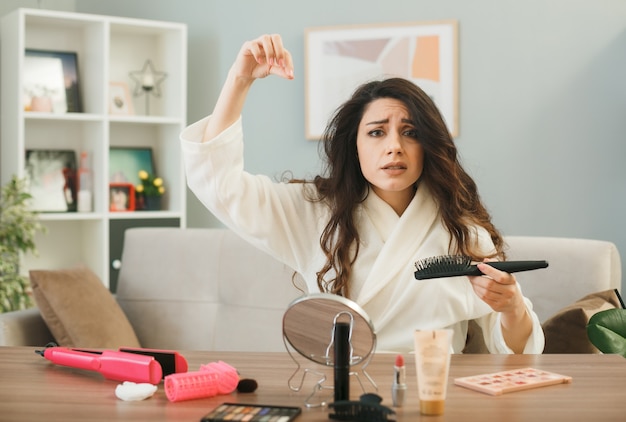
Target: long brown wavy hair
{"type": "Point", "coordinates": [343, 186]}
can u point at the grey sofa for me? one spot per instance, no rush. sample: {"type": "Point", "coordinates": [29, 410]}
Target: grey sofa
{"type": "Point", "coordinates": [208, 289]}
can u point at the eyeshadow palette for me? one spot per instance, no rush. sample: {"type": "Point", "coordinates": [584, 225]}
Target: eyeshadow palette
{"type": "Point", "coordinates": [509, 381]}
{"type": "Point", "coordinates": [252, 413]}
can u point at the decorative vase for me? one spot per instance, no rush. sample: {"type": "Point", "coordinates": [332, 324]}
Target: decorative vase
{"type": "Point", "coordinates": [43, 104]}
{"type": "Point", "coordinates": [152, 203]}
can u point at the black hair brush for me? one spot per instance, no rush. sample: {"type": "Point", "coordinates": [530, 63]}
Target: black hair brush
{"type": "Point", "coordinates": [458, 265]}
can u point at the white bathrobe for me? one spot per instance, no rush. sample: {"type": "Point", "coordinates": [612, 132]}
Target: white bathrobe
{"type": "Point", "coordinates": [278, 218]}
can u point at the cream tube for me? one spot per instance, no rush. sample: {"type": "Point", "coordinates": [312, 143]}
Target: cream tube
{"type": "Point", "coordinates": [432, 360]}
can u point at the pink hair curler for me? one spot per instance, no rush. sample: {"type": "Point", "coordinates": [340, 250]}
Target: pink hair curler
{"type": "Point", "coordinates": [212, 379]}
{"type": "Point", "coordinates": [228, 378]}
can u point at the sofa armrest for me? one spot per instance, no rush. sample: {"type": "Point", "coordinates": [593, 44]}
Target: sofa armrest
{"type": "Point", "coordinates": [24, 328]}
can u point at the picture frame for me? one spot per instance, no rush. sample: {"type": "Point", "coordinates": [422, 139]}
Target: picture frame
{"type": "Point", "coordinates": [121, 197]}
{"type": "Point", "coordinates": [51, 81]}
{"type": "Point", "coordinates": [120, 102]}
{"type": "Point", "coordinates": [124, 166]}
{"type": "Point", "coordinates": [125, 163]}
{"type": "Point", "coordinates": [340, 58]}
{"type": "Point", "coordinates": [51, 178]}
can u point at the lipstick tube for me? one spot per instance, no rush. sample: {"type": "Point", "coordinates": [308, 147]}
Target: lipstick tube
{"type": "Point", "coordinates": [398, 388]}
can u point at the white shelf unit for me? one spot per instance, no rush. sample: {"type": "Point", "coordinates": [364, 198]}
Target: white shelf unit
{"type": "Point", "coordinates": [108, 48]}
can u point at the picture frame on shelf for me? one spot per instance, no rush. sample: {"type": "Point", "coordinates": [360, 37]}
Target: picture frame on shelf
{"type": "Point", "coordinates": [120, 102]}
{"type": "Point", "coordinates": [340, 58]}
{"type": "Point", "coordinates": [51, 176]}
{"type": "Point", "coordinates": [121, 197]}
{"type": "Point", "coordinates": [51, 81]}
{"type": "Point", "coordinates": [125, 163]}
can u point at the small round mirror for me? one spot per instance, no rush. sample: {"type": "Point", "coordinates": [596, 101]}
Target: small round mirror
{"type": "Point", "coordinates": [309, 322]}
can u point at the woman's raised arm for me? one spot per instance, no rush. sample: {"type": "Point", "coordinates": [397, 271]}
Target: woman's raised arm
{"type": "Point", "coordinates": [258, 58]}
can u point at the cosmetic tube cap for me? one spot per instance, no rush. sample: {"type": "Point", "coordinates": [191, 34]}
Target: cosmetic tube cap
{"type": "Point", "coordinates": [432, 407]}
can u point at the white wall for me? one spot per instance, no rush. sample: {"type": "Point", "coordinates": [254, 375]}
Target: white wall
{"type": "Point", "coordinates": [542, 97]}
{"type": "Point", "coordinates": [7, 6]}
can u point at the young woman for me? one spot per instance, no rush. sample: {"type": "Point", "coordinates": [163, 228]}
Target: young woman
{"type": "Point", "coordinates": [392, 192]}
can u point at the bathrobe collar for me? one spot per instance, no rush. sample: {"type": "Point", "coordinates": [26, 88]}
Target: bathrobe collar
{"type": "Point", "coordinates": [405, 237]}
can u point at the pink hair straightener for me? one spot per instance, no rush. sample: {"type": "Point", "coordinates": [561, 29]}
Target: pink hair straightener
{"type": "Point", "coordinates": [126, 364]}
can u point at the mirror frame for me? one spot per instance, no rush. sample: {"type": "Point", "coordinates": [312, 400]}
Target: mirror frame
{"type": "Point", "coordinates": [308, 327]}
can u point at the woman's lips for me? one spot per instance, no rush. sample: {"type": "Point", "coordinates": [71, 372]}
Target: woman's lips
{"type": "Point", "coordinates": [394, 168]}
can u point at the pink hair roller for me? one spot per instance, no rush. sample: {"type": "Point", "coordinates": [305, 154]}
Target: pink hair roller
{"type": "Point", "coordinates": [228, 378]}
{"type": "Point", "coordinates": [212, 379]}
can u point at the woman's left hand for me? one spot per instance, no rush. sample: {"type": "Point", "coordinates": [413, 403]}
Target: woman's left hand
{"type": "Point", "coordinates": [498, 289]}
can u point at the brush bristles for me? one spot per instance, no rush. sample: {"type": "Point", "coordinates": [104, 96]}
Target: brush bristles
{"type": "Point", "coordinates": [436, 264]}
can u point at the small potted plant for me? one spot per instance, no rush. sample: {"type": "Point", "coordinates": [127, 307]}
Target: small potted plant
{"type": "Point", "coordinates": [607, 331]}
{"type": "Point", "coordinates": [18, 226]}
{"type": "Point", "coordinates": [151, 190]}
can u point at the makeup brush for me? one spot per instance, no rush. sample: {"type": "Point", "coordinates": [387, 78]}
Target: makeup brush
{"type": "Point", "coordinates": [458, 265]}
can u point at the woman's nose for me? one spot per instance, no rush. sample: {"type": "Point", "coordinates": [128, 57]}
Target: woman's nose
{"type": "Point", "coordinates": [394, 143]}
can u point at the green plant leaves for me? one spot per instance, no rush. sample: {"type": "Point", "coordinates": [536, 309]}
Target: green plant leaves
{"type": "Point", "coordinates": [607, 331]}
{"type": "Point", "coordinates": [18, 227]}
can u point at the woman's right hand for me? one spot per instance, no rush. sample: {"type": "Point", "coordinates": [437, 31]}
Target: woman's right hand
{"type": "Point", "coordinates": [256, 59]}
{"type": "Point", "coordinates": [262, 57]}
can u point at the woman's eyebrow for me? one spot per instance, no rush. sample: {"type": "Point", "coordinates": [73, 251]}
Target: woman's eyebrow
{"type": "Point", "coordinates": [378, 122]}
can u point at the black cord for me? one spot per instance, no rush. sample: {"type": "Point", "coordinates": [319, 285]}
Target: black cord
{"type": "Point", "coordinates": [51, 344]}
{"type": "Point", "coordinates": [620, 299]}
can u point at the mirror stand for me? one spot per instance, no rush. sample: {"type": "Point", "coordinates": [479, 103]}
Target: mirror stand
{"type": "Point", "coordinates": [308, 330]}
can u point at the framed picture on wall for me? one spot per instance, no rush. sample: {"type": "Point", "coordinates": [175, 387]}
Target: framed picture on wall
{"type": "Point", "coordinates": [338, 59]}
{"type": "Point", "coordinates": [51, 82]}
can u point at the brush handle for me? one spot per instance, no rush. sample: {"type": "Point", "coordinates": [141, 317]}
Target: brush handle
{"type": "Point", "coordinates": [510, 266]}
{"type": "Point", "coordinates": [507, 266]}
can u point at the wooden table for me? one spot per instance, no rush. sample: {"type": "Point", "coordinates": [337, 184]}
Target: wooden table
{"type": "Point", "coordinates": [33, 389]}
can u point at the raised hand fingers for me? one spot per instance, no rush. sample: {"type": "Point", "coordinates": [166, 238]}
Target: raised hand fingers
{"type": "Point", "coordinates": [262, 49]}
{"type": "Point", "coordinates": [278, 56]}
{"type": "Point", "coordinates": [268, 50]}
{"type": "Point", "coordinates": [274, 50]}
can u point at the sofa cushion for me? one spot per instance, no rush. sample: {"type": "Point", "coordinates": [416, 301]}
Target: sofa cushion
{"type": "Point", "coordinates": [475, 341]}
{"type": "Point", "coordinates": [211, 290]}
{"type": "Point", "coordinates": [566, 331]}
{"type": "Point", "coordinates": [79, 310]}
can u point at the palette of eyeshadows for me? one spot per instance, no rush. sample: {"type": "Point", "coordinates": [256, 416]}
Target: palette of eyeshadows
{"type": "Point", "coordinates": [510, 381]}
{"type": "Point", "coordinates": [252, 413]}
